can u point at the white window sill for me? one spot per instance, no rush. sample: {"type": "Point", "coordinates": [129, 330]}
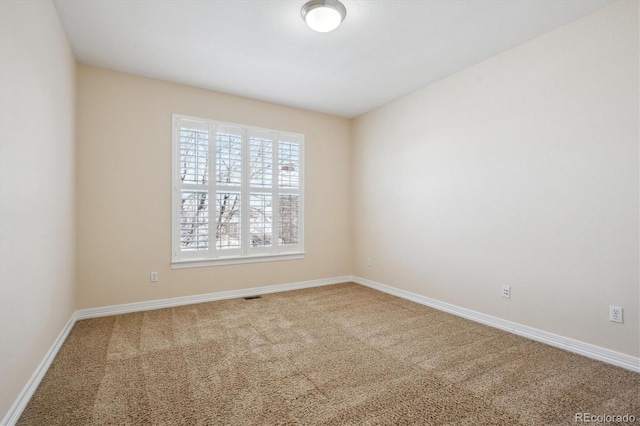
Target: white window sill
{"type": "Point", "coordinates": [236, 260]}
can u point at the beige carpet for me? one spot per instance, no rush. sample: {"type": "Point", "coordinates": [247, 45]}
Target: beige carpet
{"type": "Point", "coordinates": [342, 354]}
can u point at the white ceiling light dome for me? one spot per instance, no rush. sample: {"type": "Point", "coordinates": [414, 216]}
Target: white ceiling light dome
{"type": "Point", "coordinates": [323, 15]}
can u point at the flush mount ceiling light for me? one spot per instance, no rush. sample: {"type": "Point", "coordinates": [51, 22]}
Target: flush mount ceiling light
{"type": "Point", "coordinates": [323, 15]}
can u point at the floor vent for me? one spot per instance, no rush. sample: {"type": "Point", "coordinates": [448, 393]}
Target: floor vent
{"type": "Point", "coordinates": [252, 297]}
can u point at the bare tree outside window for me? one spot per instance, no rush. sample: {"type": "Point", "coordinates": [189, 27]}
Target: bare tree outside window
{"type": "Point", "coordinates": [288, 219]}
{"type": "Point", "coordinates": [261, 199]}
{"type": "Point", "coordinates": [228, 204]}
{"type": "Point", "coordinates": [194, 208]}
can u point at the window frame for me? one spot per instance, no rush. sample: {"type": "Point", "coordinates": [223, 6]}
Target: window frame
{"type": "Point", "coordinates": [214, 256]}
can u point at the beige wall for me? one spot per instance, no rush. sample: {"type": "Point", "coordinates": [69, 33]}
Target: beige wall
{"type": "Point", "coordinates": [521, 170]}
{"type": "Point", "coordinates": [37, 232]}
{"type": "Point", "coordinates": [124, 190]}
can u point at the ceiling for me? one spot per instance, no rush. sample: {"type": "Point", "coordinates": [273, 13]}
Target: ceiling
{"type": "Point", "coordinates": [262, 49]}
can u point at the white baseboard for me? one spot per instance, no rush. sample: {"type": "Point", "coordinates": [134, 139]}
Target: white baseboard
{"type": "Point", "coordinates": [582, 348]}
{"type": "Point", "coordinates": [592, 351]}
{"type": "Point", "coordinates": [200, 298]}
{"type": "Point", "coordinates": [21, 402]}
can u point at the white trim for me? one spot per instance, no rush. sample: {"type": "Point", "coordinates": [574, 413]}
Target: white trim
{"type": "Point", "coordinates": [212, 256]}
{"type": "Point", "coordinates": [14, 413]}
{"type": "Point", "coordinates": [235, 260]}
{"type": "Point", "coordinates": [576, 346]}
{"type": "Point", "coordinates": [200, 298]}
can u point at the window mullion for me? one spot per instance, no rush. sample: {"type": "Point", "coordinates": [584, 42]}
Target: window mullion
{"type": "Point", "coordinates": [245, 207]}
{"type": "Point", "coordinates": [213, 217]}
{"type": "Point", "coordinates": [275, 203]}
{"type": "Point", "coordinates": [175, 222]}
{"type": "Point", "coordinates": [301, 195]}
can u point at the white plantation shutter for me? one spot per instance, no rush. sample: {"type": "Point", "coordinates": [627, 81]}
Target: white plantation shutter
{"type": "Point", "coordinates": [289, 173]}
{"type": "Point", "coordinates": [288, 164]}
{"type": "Point", "coordinates": [237, 193]}
{"type": "Point", "coordinates": [193, 187]}
{"type": "Point", "coordinates": [229, 199]}
{"type": "Point", "coordinates": [229, 141]}
{"type": "Point", "coordinates": [261, 191]}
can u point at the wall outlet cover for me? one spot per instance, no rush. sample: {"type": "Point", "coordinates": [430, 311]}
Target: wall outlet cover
{"type": "Point", "coordinates": [615, 314]}
{"type": "Point", "coordinates": [506, 291]}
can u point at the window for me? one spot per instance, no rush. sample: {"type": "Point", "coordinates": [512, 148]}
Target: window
{"type": "Point", "coordinates": [237, 193]}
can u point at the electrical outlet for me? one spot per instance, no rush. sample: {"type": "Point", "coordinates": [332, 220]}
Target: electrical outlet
{"type": "Point", "coordinates": [154, 277]}
{"type": "Point", "coordinates": [615, 314]}
{"type": "Point", "coordinates": [506, 291]}
{"type": "Point", "coordinates": [369, 262]}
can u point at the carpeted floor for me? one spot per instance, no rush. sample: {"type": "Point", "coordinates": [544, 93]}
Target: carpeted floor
{"type": "Point", "coordinates": [341, 354]}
